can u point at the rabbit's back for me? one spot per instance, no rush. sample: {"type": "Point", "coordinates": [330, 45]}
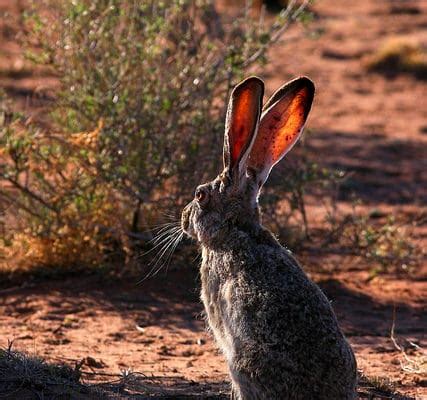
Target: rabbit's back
{"type": "Point", "coordinates": [275, 327]}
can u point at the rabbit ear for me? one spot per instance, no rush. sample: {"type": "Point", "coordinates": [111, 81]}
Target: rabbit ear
{"type": "Point", "coordinates": [281, 125]}
{"type": "Point", "coordinates": [243, 114]}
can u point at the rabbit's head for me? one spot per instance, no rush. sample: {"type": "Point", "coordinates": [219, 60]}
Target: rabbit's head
{"type": "Point", "coordinates": [255, 140]}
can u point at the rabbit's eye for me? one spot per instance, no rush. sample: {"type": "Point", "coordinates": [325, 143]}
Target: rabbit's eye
{"type": "Point", "coordinates": [201, 195]}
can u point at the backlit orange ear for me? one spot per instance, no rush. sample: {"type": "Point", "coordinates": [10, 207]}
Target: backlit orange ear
{"type": "Point", "coordinates": [243, 114]}
{"type": "Point", "coordinates": [281, 125]}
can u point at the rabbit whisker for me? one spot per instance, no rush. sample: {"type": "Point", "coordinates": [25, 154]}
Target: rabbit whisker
{"type": "Point", "coordinates": [168, 246]}
{"type": "Point", "coordinates": [154, 228]}
{"type": "Point", "coordinates": [167, 232]}
{"type": "Point", "coordinates": [197, 257]}
{"type": "Point", "coordinates": [169, 256]}
{"type": "Point", "coordinates": [163, 250]}
{"type": "Point", "coordinates": [169, 215]}
{"type": "Point", "coordinates": [177, 241]}
{"type": "Point", "coordinates": [159, 240]}
{"type": "Point", "coordinates": [175, 221]}
{"type": "Point", "coordinates": [162, 227]}
{"type": "Point", "coordinates": [162, 240]}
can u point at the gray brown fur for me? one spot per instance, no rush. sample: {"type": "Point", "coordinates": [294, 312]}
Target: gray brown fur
{"type": "Point", "coordinates": [275, 327]}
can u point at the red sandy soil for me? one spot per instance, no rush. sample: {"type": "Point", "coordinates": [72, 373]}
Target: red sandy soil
{"type": "Point", "coordinates": [372, 124]}
{"type": "Point", "coordinates": [157, 327]}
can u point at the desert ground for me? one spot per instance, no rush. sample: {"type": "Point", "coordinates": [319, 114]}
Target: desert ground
{"type": "Point", "coordinates": [373, 124]}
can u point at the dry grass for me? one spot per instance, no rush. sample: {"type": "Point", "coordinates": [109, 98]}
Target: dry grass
{"type": "Point", "coordinates": [25, 377]}
{"type": "Point", "coordinates": [400, 55]}
{"type": "Point", "coordinates": [413, 358]}
{"type": "Point", "coordinates": [377, 388]}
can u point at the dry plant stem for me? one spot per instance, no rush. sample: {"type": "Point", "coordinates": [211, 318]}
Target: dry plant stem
{"type": "Point", "coordinates": [285, 14]}
{"type": "Point", "coordinates": [31, 194]}
{"type": "Point", "coordinates": [411, 366]}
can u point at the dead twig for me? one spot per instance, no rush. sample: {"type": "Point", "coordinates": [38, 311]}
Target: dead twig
{"type": "Point", "coordinates": [410, 365]}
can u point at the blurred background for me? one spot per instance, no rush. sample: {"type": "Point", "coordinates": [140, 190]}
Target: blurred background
{"type": "Point", "coordinates": [112, 112]}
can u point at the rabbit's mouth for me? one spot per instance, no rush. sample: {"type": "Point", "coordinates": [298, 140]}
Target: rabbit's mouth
{"type": "Point", "coordinates": [186, 221]}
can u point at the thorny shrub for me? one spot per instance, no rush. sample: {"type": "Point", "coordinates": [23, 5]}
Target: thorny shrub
{"type": "Point", "coordinates": [145, 86]}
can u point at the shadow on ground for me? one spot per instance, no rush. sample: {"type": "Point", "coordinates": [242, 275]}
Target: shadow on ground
{"type": "Point", "coordinates": [382, 170]}
{"type": "Point", "coordinates": [361, 315]}
{"type": "Point", "coordinates": [379, 170]}
{"type": "Point", "coordinates": [172, 301]}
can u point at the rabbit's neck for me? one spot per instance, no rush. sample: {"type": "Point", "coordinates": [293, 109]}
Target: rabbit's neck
{"type": "Point", "coordinates": [240, 237]}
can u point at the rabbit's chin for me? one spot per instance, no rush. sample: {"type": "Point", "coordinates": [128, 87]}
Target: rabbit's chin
{"type": "Point", "coordinates": [213, 235]}
{"type": "Point", "coordinates": [188, 229]}
{"type": "Point", "coordinates": [191, 234]}
{"type": "Point", "coordinates": [203, 237]}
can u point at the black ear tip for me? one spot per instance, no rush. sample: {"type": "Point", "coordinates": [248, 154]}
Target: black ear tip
{"type": "Point", "coordinates": [253, 81]}
{"type": "Point", "coordinates": [306, 82]}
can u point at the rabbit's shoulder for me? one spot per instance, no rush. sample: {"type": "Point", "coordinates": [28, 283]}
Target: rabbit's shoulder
{"type": "Point", "coordinates": [268, 281]}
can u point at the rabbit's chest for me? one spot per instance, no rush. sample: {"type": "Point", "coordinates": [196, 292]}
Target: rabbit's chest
{"type": "Point", "coordinates": [217, 297]}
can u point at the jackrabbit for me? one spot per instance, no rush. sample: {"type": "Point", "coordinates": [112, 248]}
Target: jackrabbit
{"type": "Point", "coordinates": [275, 327]}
